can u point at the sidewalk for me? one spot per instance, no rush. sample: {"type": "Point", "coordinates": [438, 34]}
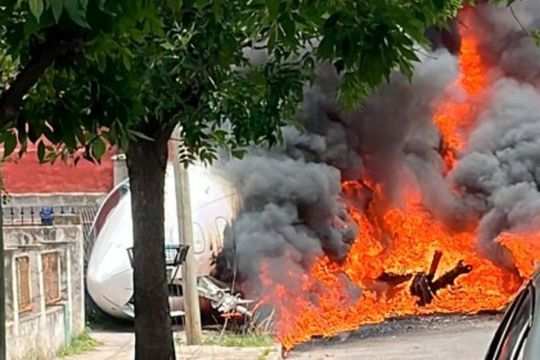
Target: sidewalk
{"type": "Point", "coordinates": [120, 346]}
{"type": "Point", "coordinates": [114, 346]}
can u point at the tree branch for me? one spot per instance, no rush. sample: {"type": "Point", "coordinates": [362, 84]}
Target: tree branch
{"type": "Point", "coordinates": [514, 15]}
{"type": "Point", "coordinates": [44, 56]}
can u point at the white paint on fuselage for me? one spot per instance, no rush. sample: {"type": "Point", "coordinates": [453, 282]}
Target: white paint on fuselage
{"type": "Point", "coordinates": [110, 276]}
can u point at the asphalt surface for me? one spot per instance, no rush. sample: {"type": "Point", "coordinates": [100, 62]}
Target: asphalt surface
{"type": "Point", "coordinates": [427, 338]}
{"type": "Point", "coordinates": [424, 338]}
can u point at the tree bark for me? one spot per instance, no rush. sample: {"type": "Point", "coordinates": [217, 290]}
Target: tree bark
{"type": "Point", "coordinates": [146, 161]}
{"type": "Point", "coordinates": [3, 354]}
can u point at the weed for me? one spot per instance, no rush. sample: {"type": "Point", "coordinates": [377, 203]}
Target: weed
{"type": "Point", "coordinates": [247, 340]}
{"type": "Point", "coordinates": [82, 343]}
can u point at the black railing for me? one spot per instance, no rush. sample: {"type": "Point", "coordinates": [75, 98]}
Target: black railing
{"type": "Point", "coordinates": [44, 215]}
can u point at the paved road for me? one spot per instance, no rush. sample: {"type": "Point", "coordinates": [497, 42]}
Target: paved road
{"type": "Point", "coordinates": [428, 338]}
{"type": "Point", "coordinates": [438, 338]}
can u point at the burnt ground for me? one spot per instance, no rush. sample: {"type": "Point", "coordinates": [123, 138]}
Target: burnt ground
{"type": "Point", "coordinates": [448, 337]}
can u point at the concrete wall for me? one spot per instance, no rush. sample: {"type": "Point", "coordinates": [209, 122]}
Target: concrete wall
{"type": "Point", "coordinates": [37, 336]}
{"type": "Point", "coordinates": [39, 333]}
{"type": "Point", "coordinates": [56, 200]}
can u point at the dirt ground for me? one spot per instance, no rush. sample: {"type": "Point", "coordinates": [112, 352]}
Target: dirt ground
{"type": "Point", "coordinates": [437, 338]}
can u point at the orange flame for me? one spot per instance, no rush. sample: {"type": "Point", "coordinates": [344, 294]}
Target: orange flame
{"type": "Point", "coordinates": [401, 240]}
{"type": "Point", "coordinates": [455, 117]}
{"type": "Point", "coordinates": [330, 306]}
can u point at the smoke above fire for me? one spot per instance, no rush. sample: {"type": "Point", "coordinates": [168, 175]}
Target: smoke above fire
{"type": "Point", "coordinates": [447, 162]}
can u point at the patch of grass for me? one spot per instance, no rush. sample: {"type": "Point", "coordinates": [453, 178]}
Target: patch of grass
{"type": "Point", "coordinates": [80, 344]}
{"type": "Point", "coordinates": [247, 340]}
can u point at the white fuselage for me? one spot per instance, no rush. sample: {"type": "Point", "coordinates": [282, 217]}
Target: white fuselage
{"type": "Point", "coordinates": [109, 277]}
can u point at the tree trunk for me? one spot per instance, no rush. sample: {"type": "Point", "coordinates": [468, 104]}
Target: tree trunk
{"type": "Point", "coordinates": [3, 354]}
{"type": "Point", "coordinates": [146, 161]}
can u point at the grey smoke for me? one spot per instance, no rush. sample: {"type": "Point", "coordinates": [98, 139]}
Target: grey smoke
{"type": "Point", "coordinates": [510, 46]}
{"type": "Point", "coordinates": [291, 210]}
{"type": "Point", "coordinates": [503, 160]}
{"type": "Point", "coordinates": [292, 193]}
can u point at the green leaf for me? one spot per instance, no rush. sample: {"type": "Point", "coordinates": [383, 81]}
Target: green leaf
{"type": "Point", "coordinates": [41, 152]}
{"type": "Point", "coordinates": [273, 8]}
{"type": "Point", "coordinates": [77, 12]}
{"type": "Point", "coordinates": [536, 37]}
{"type": "Point", "coordinates": [238, 153]}
{"type": "Point", "coordinates": [98, 148]}
{"type": "Point", "coordinates": [124, 143]}
{"type": "Point", "coordinates": [10, 142]}
{"type": "Point", "coordinates": [289, 27]}
{"type": "Point", "coordinates": [272, 38]}
{"type": "Point", "coordinates": [175, 5]}
{"type": "Point", "coordinates": [36, 8]}
{"type": "Point", "coordinates": [439, 4]}
{"type": "Point", "coordinates": [219, 135]}
{"type": "Point", "coordinates": [57, 7]}
{"type": "Point", "coordinates": [126, 61]}
{"type": "Point", "coordinates": [202, 3]}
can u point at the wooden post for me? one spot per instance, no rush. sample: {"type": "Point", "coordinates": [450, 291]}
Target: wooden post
{"type": "Point", "coordinates": [2, 290]}
{"type": "Point", "coordinates": [185, 234]}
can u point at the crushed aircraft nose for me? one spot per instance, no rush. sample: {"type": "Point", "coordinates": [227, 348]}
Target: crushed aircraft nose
{"type": "Point", "coordinates": [221, 298]}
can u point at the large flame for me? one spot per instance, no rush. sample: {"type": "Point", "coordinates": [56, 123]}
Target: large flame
{"type": "Point", "coordinates": [401, 240]}
{"type": "Point", "coordinates": [454, 117]}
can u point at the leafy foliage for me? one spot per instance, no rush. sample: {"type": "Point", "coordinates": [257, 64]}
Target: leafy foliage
{"type": "Point", "coordinates": [24, 24]}
{"type": "Point", "coordinates": [61, 30]}
{"type": "Point", "coordinates": [230, 72]}
{"type": "Point", "coordinates": [365, 40]}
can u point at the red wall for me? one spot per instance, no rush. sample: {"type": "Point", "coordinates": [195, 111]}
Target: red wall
{"type": "Point", "coordinates": [27, 175]}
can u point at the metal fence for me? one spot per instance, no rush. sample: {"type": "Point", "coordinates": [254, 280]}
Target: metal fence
{"type": "Point", "coordinates": [87, 214]}
{"type": "Point", "coordinates": [40, 215]}
{"type": "Point", "coordinates": [34, 215]}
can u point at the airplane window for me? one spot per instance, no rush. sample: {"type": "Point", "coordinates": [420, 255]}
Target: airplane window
{"type": "Point", "coordinates": [198, 239]}
{"type": "Point", "coordinates": [518, 328]}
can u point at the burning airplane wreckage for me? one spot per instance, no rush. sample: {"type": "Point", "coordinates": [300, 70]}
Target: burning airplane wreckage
{"type": "Point", "coordinates": [424, 200]}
